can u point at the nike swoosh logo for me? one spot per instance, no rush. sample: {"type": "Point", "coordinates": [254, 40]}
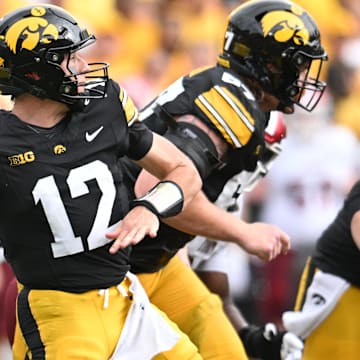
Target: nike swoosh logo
{"type": "Point", "coordinates": [91, 136]}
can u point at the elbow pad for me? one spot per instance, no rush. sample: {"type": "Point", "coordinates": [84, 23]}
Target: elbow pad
{"type": "Point", "coordinates": [194, 143]}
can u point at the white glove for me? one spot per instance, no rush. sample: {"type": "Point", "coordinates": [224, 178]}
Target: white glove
{"type": "Point", "coordinates": [291, 347]}
{"type": "Point", "coordinates": [268, 343]}
{"type": "Point", "coordinates": [2, 257]}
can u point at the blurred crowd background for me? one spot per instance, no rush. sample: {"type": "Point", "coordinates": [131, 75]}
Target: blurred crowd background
{"type": "Point", "coordinates": [150, 43]}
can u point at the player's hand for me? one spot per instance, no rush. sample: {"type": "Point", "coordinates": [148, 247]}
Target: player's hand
{"type": "Point", "coordinates": [265, 241]}
{"type": "Point", "coordinates": [268, 343]}
{"type": "Point", "coordinates": [138, 223]}
{"type": "Point", "coordinates": [291, 347]}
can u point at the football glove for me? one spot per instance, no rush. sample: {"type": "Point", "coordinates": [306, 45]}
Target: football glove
{"type": "Point", "coordinates": [268, 343]}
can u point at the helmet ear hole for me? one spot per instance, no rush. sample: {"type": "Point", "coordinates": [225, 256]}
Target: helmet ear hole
{"type": "Point", "coordinates": [281, 40]}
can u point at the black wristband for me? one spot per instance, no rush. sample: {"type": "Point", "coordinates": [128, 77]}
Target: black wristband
{"type": "Point", "coordinates": [165, 199]}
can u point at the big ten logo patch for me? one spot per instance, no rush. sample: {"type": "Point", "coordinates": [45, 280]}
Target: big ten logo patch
{"type": "Point", "coordinates": [21, 159]}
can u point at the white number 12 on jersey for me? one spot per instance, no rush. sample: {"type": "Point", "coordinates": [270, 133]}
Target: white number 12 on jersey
{"type": "Point", "coordinates": [46, 191]}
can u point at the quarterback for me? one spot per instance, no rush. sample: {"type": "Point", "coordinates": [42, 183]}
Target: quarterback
{"type": "Point", "coordinates": [65, 219]}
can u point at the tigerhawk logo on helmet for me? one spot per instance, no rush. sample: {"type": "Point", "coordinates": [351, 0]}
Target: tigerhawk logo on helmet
{"type": "Point", "coordinates": [35, 44]}
{"type": "Point", "coordinates": [277, 43]}
{"type": "Point", "coordinates": [285, 26]}
{"type": "Point", "coordinates": [29, 32]}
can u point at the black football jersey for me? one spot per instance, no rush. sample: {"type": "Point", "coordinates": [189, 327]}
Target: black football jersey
{"type": "Point", "coordinates": [336, 252]}
{"type": "Point", "coordinates": [61, 194]}
{"type": "Point", "coordinates": [221, 100]}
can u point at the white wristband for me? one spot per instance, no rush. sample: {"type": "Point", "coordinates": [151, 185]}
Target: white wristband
{"type": "Point", "coordinates": [165, 199]}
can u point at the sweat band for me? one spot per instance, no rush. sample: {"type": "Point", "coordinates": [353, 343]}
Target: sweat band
{"type": "Point", "coordinates": [165, 199]}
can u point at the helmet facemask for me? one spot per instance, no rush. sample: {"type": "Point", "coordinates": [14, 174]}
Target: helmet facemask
{"type": "Point", "coordinates": [95, 77]}
{"type": "Point", "coordinates": [295, 79]}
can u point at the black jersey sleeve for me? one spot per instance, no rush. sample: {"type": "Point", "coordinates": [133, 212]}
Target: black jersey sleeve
{"type": "Point", "coordinates": [140, 136]}
{"type": "Point", "coordinates": [352, 202]}
{"type": "Point", "coordinates": [336, 251]}
{"type": "Point", "coordinates": [141, 139]}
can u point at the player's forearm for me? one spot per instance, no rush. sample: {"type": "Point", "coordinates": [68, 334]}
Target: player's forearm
{"type": "Point", "coordinates": [235, 316]}
{"type": "Point", "coordinates": [202, 217]}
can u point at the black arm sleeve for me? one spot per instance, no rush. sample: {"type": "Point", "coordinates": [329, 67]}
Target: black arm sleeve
{"type": "Point", "coordinates": [193, 142]}
{"type": "Point", "coordinates": [141, 139]}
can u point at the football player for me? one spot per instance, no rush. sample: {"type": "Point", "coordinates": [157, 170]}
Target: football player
{"type": "Point", "coordinates": [209, 257]}
{"type": "Point", "coordinates": [63, 196]}
{"type": "Point", "coordinates": [326, 310]}
{"type": "Point", "coordinates": [209, 262]}
{"type": "Point", "coordinates": [272, 55]}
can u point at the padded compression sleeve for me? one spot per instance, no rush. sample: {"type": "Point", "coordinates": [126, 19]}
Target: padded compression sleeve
{"type": "Point", "coordinates": [193, 142]}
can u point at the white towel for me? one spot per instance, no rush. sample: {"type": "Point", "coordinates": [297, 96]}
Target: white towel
{"type": "Point", "coordinates": [321, 298]}
{"type": "Point", "coordinates": [145, 333]}
{"type": "Point", "coordinates": [2, 256]}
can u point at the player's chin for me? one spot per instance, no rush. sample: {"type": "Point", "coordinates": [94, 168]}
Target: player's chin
{"type": "Point", "coordinates": [288, 109]}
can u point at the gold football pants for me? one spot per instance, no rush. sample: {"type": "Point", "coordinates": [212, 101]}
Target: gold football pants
{"type": "Point", "coordinates": [67, 326]}
{"type": "Point", "coordinates": [177, 291]}
{"type": "Point", "coordinates": [338, 336]}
